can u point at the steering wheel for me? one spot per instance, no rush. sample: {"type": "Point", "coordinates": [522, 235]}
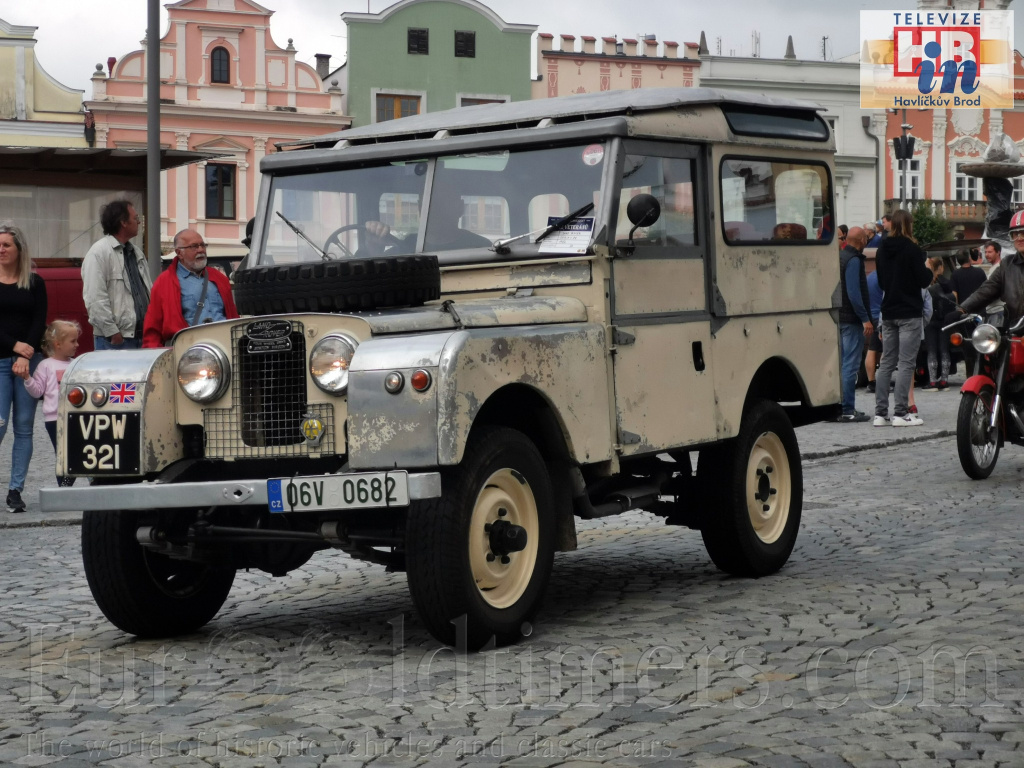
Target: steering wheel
{"type": "Point", "coordinates": [334, 239]}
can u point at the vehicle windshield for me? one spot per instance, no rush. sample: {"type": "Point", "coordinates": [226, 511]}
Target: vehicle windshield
{"type": "Point", "coordinates": [476, 200]}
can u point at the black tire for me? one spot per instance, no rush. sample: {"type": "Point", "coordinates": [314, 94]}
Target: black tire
{"type": "Point", "coordinates": [976, 444]}
{"type": "Point", "coordinates": [146, 593]}
{"type": "Point", "coordinates": [447, 544]}
{"type": "Point", "coordinates": [753, 495]}
{"type": "Point", "coordinates": [346, 285]}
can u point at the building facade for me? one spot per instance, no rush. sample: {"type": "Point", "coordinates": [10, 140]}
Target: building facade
{"type": "Point", "coordinates": [430, 55]}
{"type": "Point", "coordinates": [225, 87]}
{"type": "Point", "coordinates": [612, 65]}
{"type": "Point", "coordinates": [35, 109]}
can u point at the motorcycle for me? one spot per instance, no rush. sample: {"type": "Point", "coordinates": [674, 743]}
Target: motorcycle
{"type": "Point", "coordinates": [992, 398]}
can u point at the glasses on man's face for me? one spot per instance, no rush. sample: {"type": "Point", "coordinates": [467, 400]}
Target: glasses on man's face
{"type": "Point", "coordinates": [194, 246]}
{"type": "Point", "coordinates": [1017, 236]}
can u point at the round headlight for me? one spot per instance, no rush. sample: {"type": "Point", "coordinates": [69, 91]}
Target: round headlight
{"type": "Point", "coordinates": [329, 362]}
{"type": "Point", "coordinates": [985, 339]}
{"type": "Point", "coordinates": [203, 373]}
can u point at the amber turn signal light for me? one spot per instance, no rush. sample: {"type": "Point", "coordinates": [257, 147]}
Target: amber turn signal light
{"type": "Point", "coordinates": [956, 339]}
{"type": "Point", "coordinates": [77, 396]}
{"type": "Point", "coordinates": [420, 380]}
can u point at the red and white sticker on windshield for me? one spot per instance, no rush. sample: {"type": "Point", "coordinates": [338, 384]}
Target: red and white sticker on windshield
{"type": "Point", "coordinates": [593, 154]}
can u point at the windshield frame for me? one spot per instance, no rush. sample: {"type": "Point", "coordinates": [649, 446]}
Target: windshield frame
{"type": "Point", "coordinates": [306, 162]}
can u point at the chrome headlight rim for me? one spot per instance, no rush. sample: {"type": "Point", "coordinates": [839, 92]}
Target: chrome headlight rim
{"type": "Point", "coordinates": [221, 359]}
{"type": "Point", "coordinates": [339, 387]}
{"type": "Point", "coordinates": [986, 339]}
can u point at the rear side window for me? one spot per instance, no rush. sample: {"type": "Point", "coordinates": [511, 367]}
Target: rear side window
{"type": "Point", "coordinates": [753, 121]}
{"type": "Point", "coordinates": [775, 200]}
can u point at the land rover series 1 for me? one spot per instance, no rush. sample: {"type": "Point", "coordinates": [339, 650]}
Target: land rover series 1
{"type": "Point", "coordinates": [463, 330]}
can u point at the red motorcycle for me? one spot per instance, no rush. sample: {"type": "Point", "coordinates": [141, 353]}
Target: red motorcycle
{"type": "Point", "coordinates": [992, 398]}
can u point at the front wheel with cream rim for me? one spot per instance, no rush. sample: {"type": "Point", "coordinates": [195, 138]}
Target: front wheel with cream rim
{"type": "Point", "coordinates": [751, 511]}
{"type": "Point", "coordinates": [478, 558]}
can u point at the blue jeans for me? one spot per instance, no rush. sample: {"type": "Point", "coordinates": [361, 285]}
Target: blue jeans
{"type": "Point", "coordinates": [13, 393]}
{"type": "Point", "coordinates": [851, 345]}
{"type": "Point", "coordinates": [100, 342]}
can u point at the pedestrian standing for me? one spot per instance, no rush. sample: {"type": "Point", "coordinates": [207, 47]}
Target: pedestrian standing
{"type": "Point", "coordinates": [60, 342]}
{"type": "Point", "coordinates": [902, 273]}
{"type": "Point", "coordinates": [22, 319]}
{"type": "Point", "coordinates": [936, 341]}
{"type": "Point", "coordinates": [873, 355]}
{"type": "Point", "coordinates": [854, 320]}
{"type": "Point", "coordinates": [116, 281]}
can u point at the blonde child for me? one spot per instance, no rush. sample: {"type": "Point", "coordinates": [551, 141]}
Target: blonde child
{"type": "Point", "coordinates": [60, 342]}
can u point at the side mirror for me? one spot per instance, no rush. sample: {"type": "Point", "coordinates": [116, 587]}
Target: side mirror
{"type": "Point", "coordinates": [643, 210]}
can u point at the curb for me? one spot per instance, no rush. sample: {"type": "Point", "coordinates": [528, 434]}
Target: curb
{"type": "Point", "coordinates": [813, 455]}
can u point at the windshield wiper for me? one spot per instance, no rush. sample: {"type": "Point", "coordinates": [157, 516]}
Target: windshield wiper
{"type": "Point", "coordinates": [300, 233]}
{"type": "Point", "coordinates": [502, 246]}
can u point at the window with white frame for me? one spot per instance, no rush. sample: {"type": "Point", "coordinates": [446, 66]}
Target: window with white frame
{"type": "Point", "coordinates": [1018, 191]}
{"type": "Point", "coordinates": [966, 187]}
{"type": "Point", "coordinates": [914, 182]}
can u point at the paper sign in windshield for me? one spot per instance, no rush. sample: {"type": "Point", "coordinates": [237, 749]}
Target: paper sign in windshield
{"type": "Point", "coordinates": [574, 237]}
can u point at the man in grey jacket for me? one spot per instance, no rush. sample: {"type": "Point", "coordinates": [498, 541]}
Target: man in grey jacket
{"type": "Point", "coordinates": [116, 281]}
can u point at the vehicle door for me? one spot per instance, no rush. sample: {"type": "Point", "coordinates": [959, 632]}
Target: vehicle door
{"type": "Point", "coordinates": [659, 298]}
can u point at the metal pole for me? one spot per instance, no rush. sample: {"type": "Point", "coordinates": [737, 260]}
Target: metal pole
{"type": "Point", "coordinates": [153, 138]}
{"type": "Point", "coordinates": [904, 164]}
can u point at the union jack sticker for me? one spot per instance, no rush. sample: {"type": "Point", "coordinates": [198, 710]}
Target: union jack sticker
{"type": "Point", "coordinates": [122, 393]}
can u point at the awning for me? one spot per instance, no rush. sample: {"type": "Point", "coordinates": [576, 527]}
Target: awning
{"type": "Point", "coordinates": [92, 160]}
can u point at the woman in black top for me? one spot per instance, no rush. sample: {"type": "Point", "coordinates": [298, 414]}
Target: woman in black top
{"type": "Point", "coordinates": [22, 322]}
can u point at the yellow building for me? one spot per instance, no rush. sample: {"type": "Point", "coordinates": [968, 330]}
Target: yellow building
{"type": "Point", "coordinates": [35, 110]}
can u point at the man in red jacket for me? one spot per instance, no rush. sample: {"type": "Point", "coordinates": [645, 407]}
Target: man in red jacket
{"type": "Point", "coordinates": [186, 293]}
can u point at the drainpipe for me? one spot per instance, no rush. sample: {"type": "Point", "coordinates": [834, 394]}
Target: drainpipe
{"type": "Point", "coordinates": [865, 122]}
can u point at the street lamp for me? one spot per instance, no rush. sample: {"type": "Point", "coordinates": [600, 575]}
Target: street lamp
{"type": "Point", "coordinates": [904, 149]}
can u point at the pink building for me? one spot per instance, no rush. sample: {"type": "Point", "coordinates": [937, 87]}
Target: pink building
{"type": "Point", "coordinates": [225, 87]}
{"type": "Point", "coordinates": [612, 65]}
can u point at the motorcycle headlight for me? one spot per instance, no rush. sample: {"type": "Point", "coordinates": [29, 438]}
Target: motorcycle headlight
{"type": "Point", "coordinates": [985, 339]}
{"type": "Point", "coordinates": [329, 362]}
{"type": "Point", "coordinates": [203, 373]}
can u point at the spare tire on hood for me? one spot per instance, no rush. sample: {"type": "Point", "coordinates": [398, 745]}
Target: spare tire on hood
{"type": "Point", "coordinates": [345, 285]}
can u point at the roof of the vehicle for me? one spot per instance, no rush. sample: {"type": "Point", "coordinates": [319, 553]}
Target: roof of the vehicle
{"type": "Point", "coordinates": [585, 106]}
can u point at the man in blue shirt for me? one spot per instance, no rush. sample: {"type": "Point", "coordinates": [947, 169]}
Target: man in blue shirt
{"type": "Point", "coordinates": [854, 319]}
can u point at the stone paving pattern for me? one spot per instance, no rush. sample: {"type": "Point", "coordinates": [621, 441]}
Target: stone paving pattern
{"type": "Point", "coordinates": [892, 638]}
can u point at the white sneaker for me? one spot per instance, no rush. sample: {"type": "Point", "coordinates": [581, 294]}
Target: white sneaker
{"type": "Point", "coordinates": [910, 420]}
{"type": "Point", "coordinates": [880, 421]}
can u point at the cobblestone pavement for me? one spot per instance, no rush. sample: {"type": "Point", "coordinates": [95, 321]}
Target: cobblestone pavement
{"type": "Point", "coordinates": [892, 638]}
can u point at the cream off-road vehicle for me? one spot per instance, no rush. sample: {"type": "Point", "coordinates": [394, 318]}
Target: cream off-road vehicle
{"type": "Point", "coordinates": [463, 330]}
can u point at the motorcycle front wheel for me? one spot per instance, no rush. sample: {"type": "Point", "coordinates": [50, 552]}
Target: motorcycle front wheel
{"type": "Point", "coordinates": [976, 443]}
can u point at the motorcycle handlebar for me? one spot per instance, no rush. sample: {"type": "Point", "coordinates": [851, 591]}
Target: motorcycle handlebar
{"type": "Point", "coordinates": [976, 319]}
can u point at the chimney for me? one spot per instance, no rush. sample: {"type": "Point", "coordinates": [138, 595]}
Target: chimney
{"type": "Point", "coordinates": [588, 43]}
{"type": "Point", "coordinates": [608, 45]}
{"type": "Point", "coordinates": [650, 46]}
{"type": "Point", "coordinates": [630, 46]}
{"type": "Point", "coordinates": [671, 49]}
{"type": "Point", "coordinates": [323, 65]}
{"type": "Point", "coordinates": [544, 40]}
{"type": "Point", "coordinates": [568, 43]}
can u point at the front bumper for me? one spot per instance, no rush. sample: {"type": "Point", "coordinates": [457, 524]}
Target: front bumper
{"type": "Point", "coordinates": [155, 495]}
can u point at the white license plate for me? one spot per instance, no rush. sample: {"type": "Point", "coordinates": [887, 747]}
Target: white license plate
{"type": "Point", "coordinates": [358, 491]}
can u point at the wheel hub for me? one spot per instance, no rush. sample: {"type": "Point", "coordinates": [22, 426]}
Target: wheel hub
{"type": "Point", "coordinates": [764, 485]}
{"type": "Point", "coordinates": [506, 538]}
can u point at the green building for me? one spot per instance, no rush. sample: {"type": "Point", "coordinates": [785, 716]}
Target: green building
{"type": "Point", "coordinates": [430, 55]}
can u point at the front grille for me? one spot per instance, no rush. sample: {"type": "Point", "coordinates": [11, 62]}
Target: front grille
{"type": "Point", "coordinates": [268, 392]}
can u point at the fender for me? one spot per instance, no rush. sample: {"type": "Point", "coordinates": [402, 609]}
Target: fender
{"type": "Point", "coordinates": [975, 384]}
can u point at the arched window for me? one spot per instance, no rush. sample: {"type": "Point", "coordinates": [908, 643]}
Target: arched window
{"type": "Point", "coordinates": [219, 69]}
